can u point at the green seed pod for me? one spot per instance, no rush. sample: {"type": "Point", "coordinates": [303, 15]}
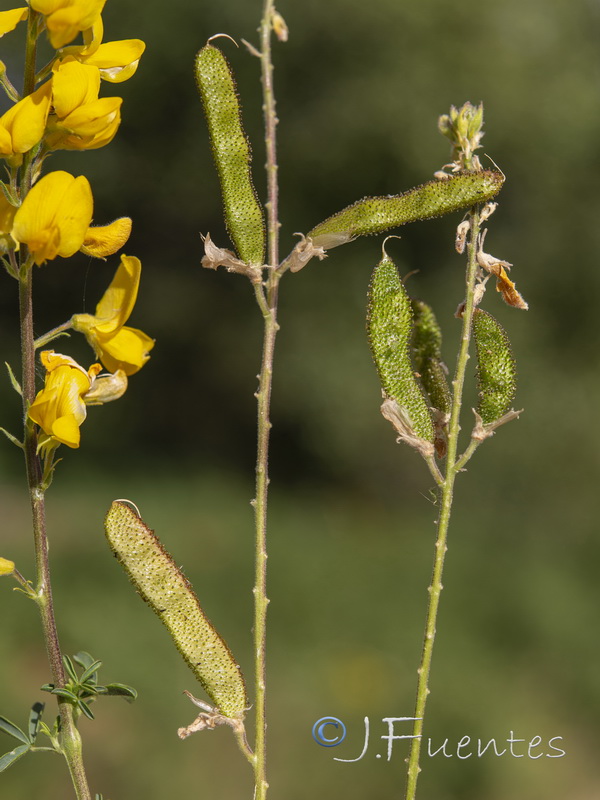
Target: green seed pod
{"type": "Point", "coordinates": [389, 327]}
{"type": "Point", "coordinates": [432, 199]}
{"type": "Point", "coordinates": [169, 594]}
{"type": "Point", "coordinates": [231, 150]}
{"type": "Point", "coordinates": [427, 343]}
{"type": "Point", "coordinates": [496, 371]}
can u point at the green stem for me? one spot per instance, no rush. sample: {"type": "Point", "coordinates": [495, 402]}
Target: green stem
{"type": "Point", "coordinates": [268, 306]}
{"type": "Point", "coordinates": [446, 497]}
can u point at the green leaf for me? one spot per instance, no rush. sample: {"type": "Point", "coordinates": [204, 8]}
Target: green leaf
{"type": "Point", "coordinates": [66, 694]}
{"type": "Point", "coordinates": [91, 673]}
{"type": "Point", "coordinates": [35, 717]}
{"type": "Point", "coordinates": [13, 730]}
{"type": "Point", "coordinates": [70, 668]}
{"type": "Point", "coordinates": [121, 690]}
{"type": "Point", "coordinates": [13, 381]}
{"type": "Point", "coordinates": [85, 709]}
{"type": "Point", "coordinates": [9, 758]}
{"type": "Point", "coordinates": [12, 438]}
{"type": "Point", "coordinates": [84, 659]}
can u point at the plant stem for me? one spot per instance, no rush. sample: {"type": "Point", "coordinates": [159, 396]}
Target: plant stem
{"type": "Point", "coordinates": [446, 496]}
{"type": "Point", "coordinates": [69, 735]}
{"type": "Point", "coordinates": [268, 306]}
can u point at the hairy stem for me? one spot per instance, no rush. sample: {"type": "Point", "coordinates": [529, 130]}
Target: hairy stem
{"type": "Point", "coordinates": [446, 495]}
{"type": "Point", "coordinates": [69, 735]}
{"type": "Point", "coordinates": [268, 306]}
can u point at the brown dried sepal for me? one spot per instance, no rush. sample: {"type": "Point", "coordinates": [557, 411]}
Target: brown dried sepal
{"type": "Point", "coordinates": [215, 257]}
{"type": "Point", "coordinates": [302, 254]}
{"type": "Point", "coordinates": [208, 719]}
{"type": "Point", "coordinates": [504, 285]}
{"type": "Point", "coordinates": [483, 430]}
{"type": "Point", "coordinates": [394, 413]}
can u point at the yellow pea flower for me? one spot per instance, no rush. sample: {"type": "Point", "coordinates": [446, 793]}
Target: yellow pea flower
{"type": "Point", "coordinates": [117, 61]}
{"type": "Point", "coordinates": [23, 125]}
{"type": "Point", "coordinates": [10, 19]}
{"type": "Point", "coordinates": [65, 19]}
{"type": "Point", "coordinates": [59, 408]}
{"type": "Point", "coordinates": [117, 346]}
{"type": "Point", "coordinates": [55, 216]}
{"type": "Point", "coordinates": [81, 121]}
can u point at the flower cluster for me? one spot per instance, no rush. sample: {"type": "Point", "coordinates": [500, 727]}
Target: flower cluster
{"type": "Point", "coordinates": [44, 217]}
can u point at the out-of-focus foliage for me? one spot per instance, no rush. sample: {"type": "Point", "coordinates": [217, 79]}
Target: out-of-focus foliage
{"type": "Point", "coordinates": [360, 87]}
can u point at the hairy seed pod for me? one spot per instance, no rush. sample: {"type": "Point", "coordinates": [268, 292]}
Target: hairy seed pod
{"type": "Point", "coordinates": [432, 199]}
{"type": "Point", "coordinates": [389, 327]}
{"type": "Point", "coordinates": [163, 586]}
{"type": "Point", "coordinates": [426, 344]}
{"type": "Point", "coordinates": [496, 371]}
{"type": "Point", "coordinates": [231, 150]}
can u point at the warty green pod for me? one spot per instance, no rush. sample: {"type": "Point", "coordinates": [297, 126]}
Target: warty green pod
{"type": "Point", "coordinates": [426, 345]}
{"type": "Point", "coordinates": [231, 151]}
{"type": "Point", "coordinates": [432, 199]}
{"type": "Point", "coordinates": [389, 328]}
{"type": "Point", "coordinates": [496, 369]}
{"type": "Point", "coordinates": [167, 591]}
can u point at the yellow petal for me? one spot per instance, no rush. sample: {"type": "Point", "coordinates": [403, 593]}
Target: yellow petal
{"type": "Point", "coordinates": [73, 85]}
{"type": "Point", "coordinates": [99, 131]}
{"type": "Point", "coordinates": [25, 121]}
{"type": "Point", "coordinates": [128, 350]}
{"type": "Point", "coordinates": [7, 214]}
{"type": "Point", "coordinates": [117, 61]}
{"type": "Point", "coordinates": [117, 303]}
{"type": "Point", "coordinates": [66, 18]}
{"type": "Point", "coordinates": [10, 19]}
{"type": "Point", "coordinates": [102, 241]}
{"type": "Point", "coordinates": [6, 567]}
{"type": "Point", "coordinates": [93, 118]}
{"type": "Point", "coordinates": [55, 216]}
{"type": "Point", "coordinates": [58, 408]}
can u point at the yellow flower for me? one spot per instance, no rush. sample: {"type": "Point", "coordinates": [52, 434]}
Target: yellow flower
{"type": "Point", "coordinates": [81, 121]}
{"type": "Point", "coordinates": [59, 408]}
{"type": "Point", "coordinates": [10, 19]}
{"type": "Point", "coordinates": [23, 125]}
{"type": "Point", "coordinates": [117, 61]}
{"type": "Point", "coordinates": [66, 18]}
{"type": "Point", "coordinates": [6, 567]}
{"type": "Point", "coordinates": [117, 346]}
{"type": "Point", "coordinates": [54, 217]}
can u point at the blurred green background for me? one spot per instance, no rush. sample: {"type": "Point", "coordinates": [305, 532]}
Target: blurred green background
{"type": "Point", "coordinates": [360, 87]}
